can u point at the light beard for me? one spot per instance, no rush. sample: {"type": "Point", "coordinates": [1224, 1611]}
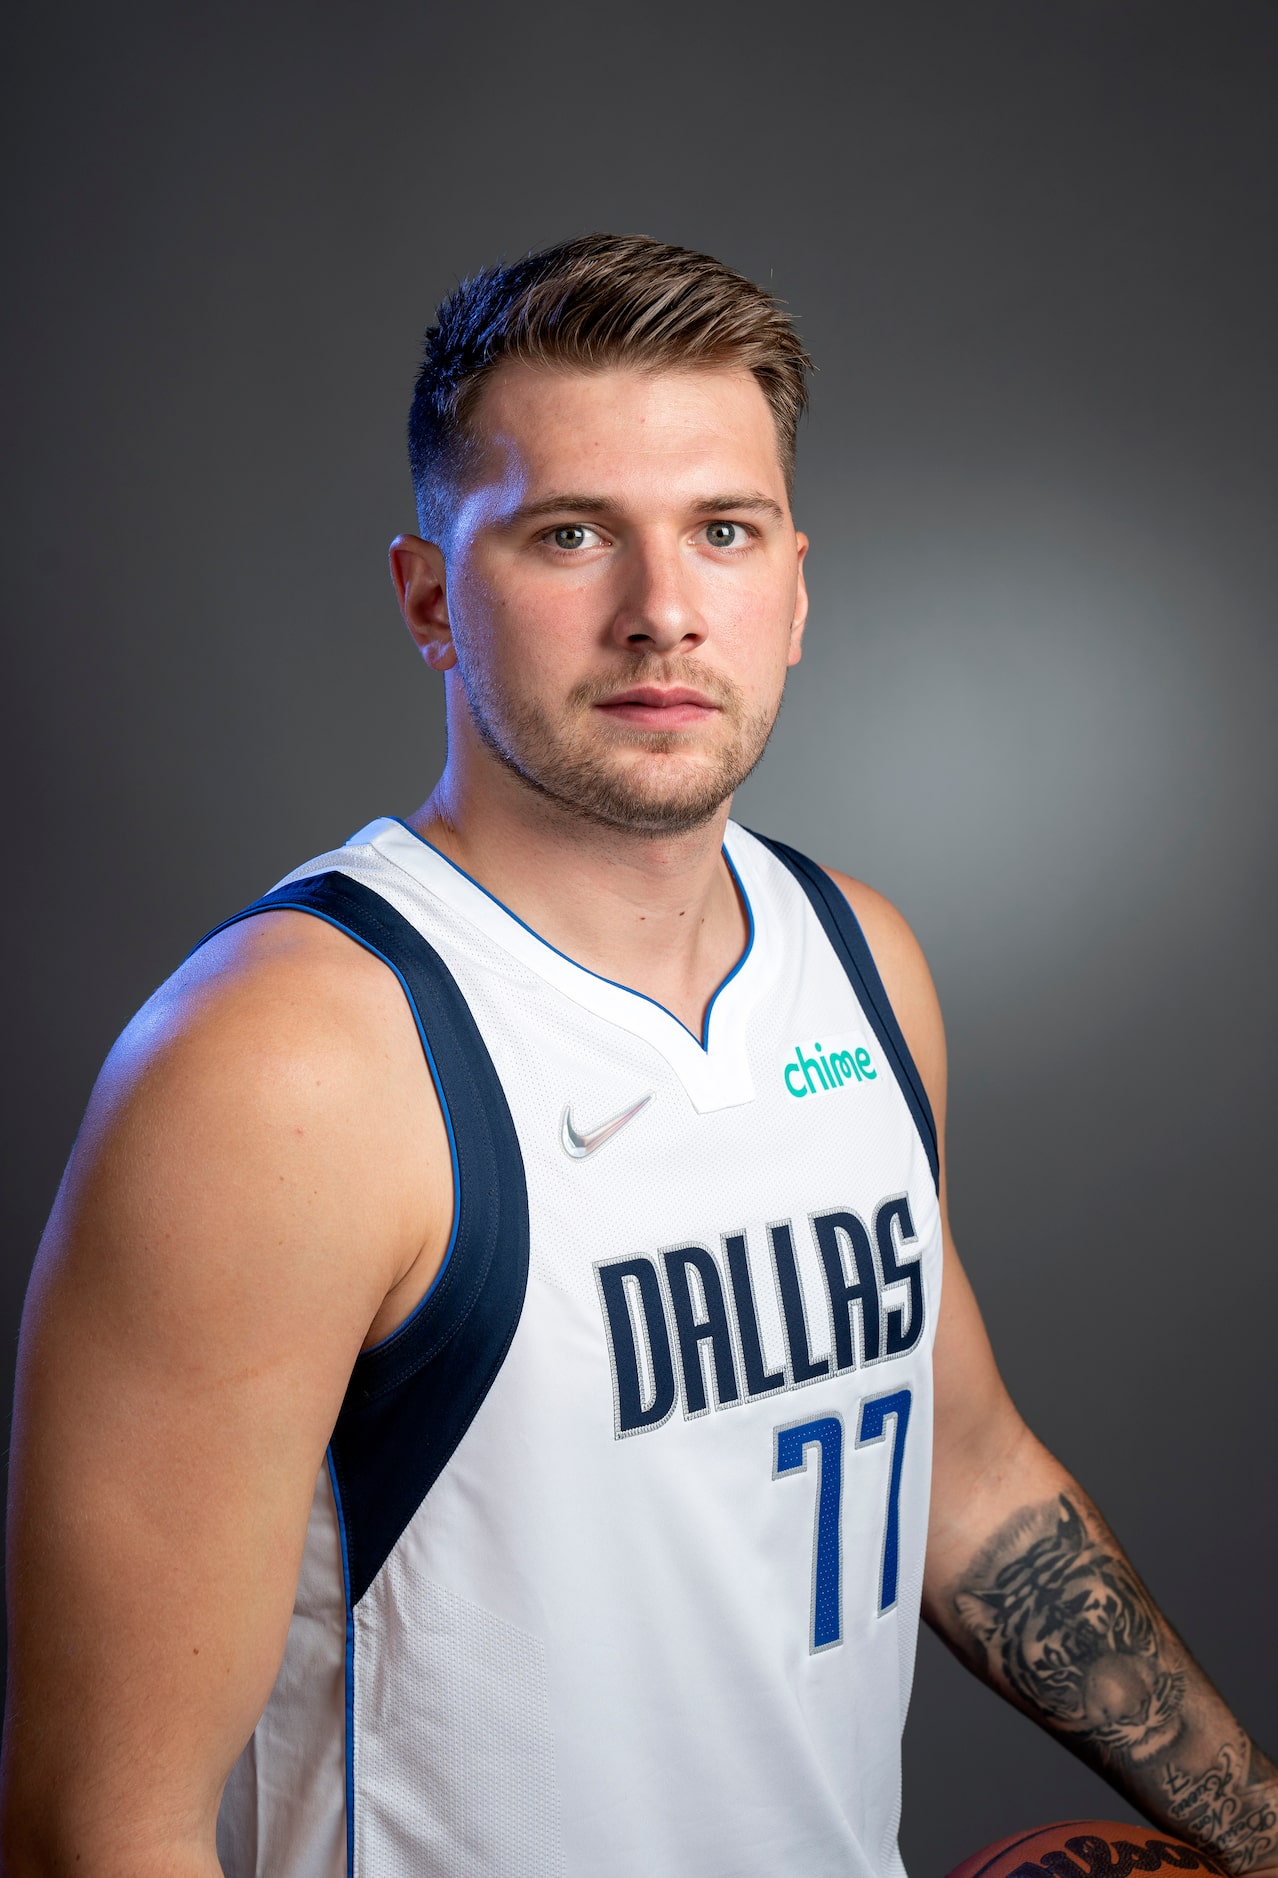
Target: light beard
{"type": "Point", "coordinates": [573, 762]}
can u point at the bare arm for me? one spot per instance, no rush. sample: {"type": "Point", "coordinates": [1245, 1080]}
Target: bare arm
{"type": "Point", "coordinates": [1050, 1612]}
{"type": "Point", "coordinates": [1025, 1581]}
{"type": "Point", "coordinates": [257, 1188]}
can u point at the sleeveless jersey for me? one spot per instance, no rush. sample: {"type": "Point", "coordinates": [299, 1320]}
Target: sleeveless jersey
{"type": "Point", "coordinates": [615, 1563]}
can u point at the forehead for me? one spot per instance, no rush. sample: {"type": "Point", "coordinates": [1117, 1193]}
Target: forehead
{"type": "Point", "coordinates": [618, 430]}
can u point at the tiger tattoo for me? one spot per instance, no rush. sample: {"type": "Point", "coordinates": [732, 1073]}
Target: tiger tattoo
{"type": "Point", "coordinates": [1067, 1625]}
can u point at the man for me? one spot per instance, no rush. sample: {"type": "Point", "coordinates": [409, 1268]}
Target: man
{"type": "Point", "coordinates": [484, 1383]}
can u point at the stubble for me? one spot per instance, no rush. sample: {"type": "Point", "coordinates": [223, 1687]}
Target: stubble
{"type": "Point", "coordinates": [618, 775]}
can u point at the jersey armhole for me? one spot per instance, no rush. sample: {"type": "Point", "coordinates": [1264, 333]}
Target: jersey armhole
{"type": "Point", "coordinates": [412, 1397]}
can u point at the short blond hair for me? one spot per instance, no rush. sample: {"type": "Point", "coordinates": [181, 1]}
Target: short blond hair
{"type": "Point", "coordinates": [598, 301]}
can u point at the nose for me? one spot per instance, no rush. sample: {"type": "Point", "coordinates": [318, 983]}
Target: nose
{"type": "Point", "coordinates": [657, 608]}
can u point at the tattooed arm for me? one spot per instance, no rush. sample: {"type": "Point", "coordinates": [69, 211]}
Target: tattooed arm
{"type": "Point", "coordinates": [1047, 1609]}
{"type": "Point", "coordinates": [1024, 1580]}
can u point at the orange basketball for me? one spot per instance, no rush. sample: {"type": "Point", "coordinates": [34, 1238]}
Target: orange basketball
{"type": "Point", "coordinates": [1084, 1848]}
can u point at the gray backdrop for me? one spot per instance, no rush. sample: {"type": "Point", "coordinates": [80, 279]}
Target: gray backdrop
{"type": "Point", "coordinates": [1031, 245]}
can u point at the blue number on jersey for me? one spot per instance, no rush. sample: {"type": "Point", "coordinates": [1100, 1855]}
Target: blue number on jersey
{"type": "Point", "coordinates": [874, 1418]}
{"type": "Point", "coordinates": [825, 1433]}
{"type": "Point", "coordinates": [793, 1442]}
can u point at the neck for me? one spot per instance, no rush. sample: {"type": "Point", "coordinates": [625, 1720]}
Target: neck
{"type": "Point", "coordinates": [659, 913]}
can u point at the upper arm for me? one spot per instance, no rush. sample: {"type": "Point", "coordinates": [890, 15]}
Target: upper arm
{"type": "Point", "coordinates": [257, 1171]}
{"type": "Point", "coordinates": [976, 1426]}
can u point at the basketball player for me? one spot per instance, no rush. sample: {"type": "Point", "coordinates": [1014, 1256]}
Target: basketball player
{"type": "Point", "coordinates": [497, 1387]}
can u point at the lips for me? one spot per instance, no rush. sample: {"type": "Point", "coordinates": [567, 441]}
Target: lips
{"type": "Point", "coordinates": [655, 707]}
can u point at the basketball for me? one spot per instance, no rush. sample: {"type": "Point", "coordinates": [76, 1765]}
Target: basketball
{"type": "Point", "coordinates": [1084, 1848]}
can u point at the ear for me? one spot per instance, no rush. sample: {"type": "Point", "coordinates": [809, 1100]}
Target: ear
{"type": "Point", "coordinates": [800, 606]}
{"type": "Point", "coordinates": [421, 586]}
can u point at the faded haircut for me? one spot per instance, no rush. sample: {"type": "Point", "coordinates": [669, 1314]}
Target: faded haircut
{"type": "Point", "coordinates": [586, 305]}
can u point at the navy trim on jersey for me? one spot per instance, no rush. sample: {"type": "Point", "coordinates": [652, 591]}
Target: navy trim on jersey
{"type": "Point", "coordinates": [412, 1397]}
{"type": "Point", "coordinates": [843, 930]}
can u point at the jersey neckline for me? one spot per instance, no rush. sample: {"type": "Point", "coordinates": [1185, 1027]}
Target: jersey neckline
{"type": "Point", "coordinates": [714, 1067]}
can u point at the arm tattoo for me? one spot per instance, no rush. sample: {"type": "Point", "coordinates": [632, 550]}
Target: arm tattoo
{"type": "Point", "coordinates": [1052, 1613]}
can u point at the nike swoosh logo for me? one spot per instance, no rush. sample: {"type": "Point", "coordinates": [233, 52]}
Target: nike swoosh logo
{"type": "Point", "coordinates": [579, 1142]}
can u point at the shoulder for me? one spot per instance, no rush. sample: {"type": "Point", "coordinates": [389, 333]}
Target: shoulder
{"type": "Point", "coordinates": [906, 978]}
{"type": "Point", "coordinates": [276, 1074]}
{"type": "Point", "coordinates": [277, 1012]}
{"type": "Point", "coordinates": [276, 983]}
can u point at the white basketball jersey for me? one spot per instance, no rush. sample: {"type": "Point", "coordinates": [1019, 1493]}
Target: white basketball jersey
{"type": "Point", "coordinates": [614, 1568]}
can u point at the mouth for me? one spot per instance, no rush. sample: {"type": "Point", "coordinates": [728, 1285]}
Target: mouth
{"type": "Point", "coordinates": [657, 707]}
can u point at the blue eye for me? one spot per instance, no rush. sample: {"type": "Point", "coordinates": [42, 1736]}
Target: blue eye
{"type": "Point", "coordinates": [570, 537]}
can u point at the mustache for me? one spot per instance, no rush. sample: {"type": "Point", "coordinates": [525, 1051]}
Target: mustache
{"type": "Point", "coordinates": [663, 672]}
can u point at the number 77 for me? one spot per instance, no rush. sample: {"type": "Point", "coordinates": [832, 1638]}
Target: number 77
{"type": "Point", "coordinates": [825, 1433]}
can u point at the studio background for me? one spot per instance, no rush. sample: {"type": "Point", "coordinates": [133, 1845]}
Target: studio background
{"type": "Point", "coordinates": [1031, 248]}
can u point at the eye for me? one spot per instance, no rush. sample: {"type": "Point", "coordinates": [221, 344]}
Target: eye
{"type": "Point", "coordinates": [726, 534]}
{"type": "Point", "coordinates": [572, 536]}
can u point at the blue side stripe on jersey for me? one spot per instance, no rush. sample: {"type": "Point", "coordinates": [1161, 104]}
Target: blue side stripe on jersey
{"type": "Point", "coordinates": [412, 1397]}
{"type": "Point", "coordinates": [348, 1673]}
{"type": "Point", "coordinates": [843, 930]}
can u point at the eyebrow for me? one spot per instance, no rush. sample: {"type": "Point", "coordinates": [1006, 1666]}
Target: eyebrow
{"type": "Point", "coordinates": [557, 505]}
{"type": "Point", "coordinates": [572, 503]}
{"type": "Point", "coordinates": [752, 503]}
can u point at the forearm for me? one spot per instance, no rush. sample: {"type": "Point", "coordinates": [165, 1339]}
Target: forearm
{"type": "Point", "coordinates": [39, 1848]}
{"type": "Point", "coordinates": [1038, 1598]}
{"type": "Point", "coordinates": [164, 1862]}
